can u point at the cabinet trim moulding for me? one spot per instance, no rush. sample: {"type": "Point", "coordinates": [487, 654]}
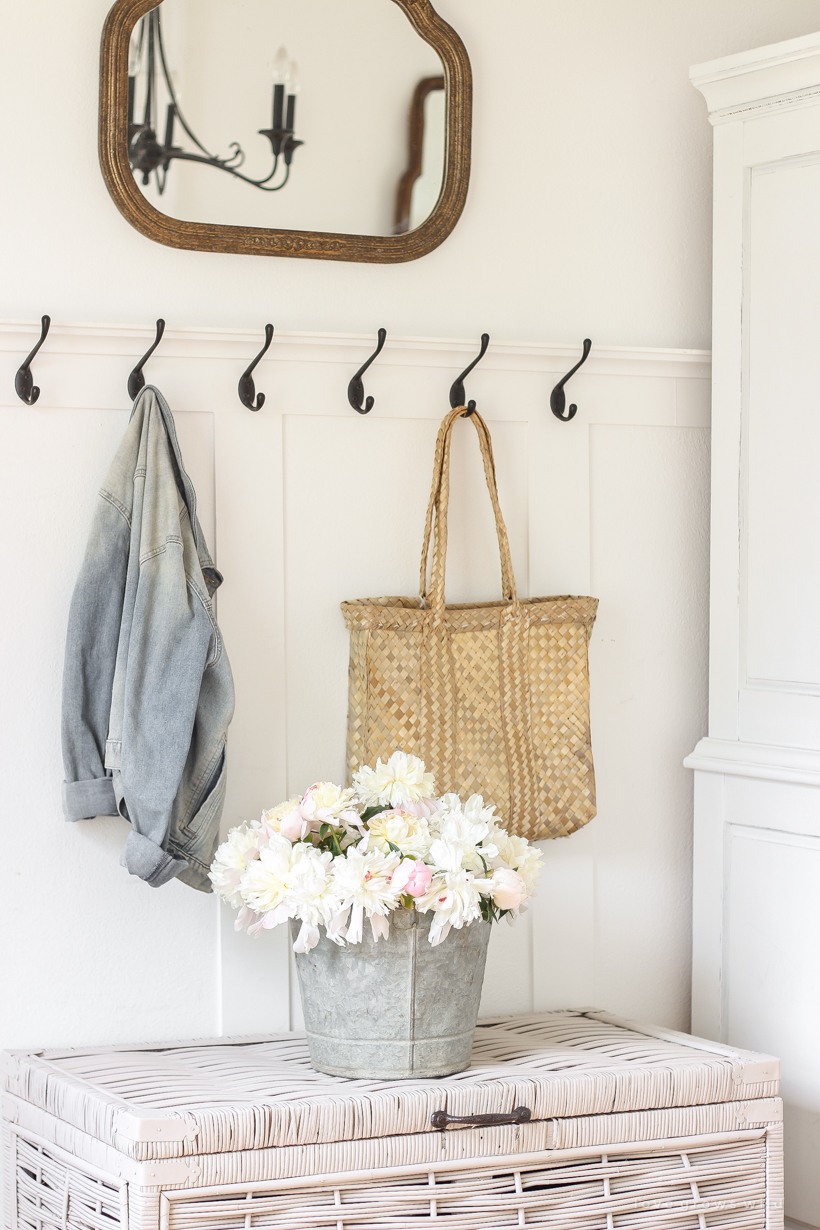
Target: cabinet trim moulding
{"type": "Point", "coordinates": [761, 760]}
{"type": "Point", "coordinates": [781, 75]}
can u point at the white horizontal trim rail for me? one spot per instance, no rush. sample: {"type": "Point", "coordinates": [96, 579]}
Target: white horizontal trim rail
{"type": "Point", "coordinates": [760, 760]}
{"type": "Point", "coordinates": [205, 343]}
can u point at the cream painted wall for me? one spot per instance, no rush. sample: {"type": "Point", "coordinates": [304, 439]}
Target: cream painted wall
{"type": "Point", "coordinates": [588, 214]}
{"type": "Point", "coordinates": [589, 211]}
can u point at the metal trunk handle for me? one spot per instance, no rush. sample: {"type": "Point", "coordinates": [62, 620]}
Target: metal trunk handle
{"type": "Point", "coordinates": [440, 1119]}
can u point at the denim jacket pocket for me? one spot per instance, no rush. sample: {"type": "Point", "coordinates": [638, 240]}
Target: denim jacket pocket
{"type": "Point", "coordinates": [197, 840]}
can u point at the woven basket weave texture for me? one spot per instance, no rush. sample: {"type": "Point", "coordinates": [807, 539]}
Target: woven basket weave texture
{"type": "Point", "coordinates": [494, 696]}
{"type": "Point", "coordinates": [632, 1127]}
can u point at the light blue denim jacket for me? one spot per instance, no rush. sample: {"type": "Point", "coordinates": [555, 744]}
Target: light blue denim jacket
{"type": "Point", "coordinates": [147, 687]}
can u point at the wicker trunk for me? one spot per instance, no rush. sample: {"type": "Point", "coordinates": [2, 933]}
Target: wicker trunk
{"type": "Point", "coordinates": [629, 1126]}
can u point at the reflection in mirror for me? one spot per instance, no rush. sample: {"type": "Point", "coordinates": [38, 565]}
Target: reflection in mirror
{"type": "Point", "coordinates": [225, 128]}
{"type": "Point", "coordinates": [421, 183]}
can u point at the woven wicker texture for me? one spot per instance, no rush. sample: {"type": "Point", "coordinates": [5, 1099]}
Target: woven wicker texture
{"type": "Point", "coordinates": [51, 1194]}
{"type": "Point", "coordinates": [260, 1094]}
{"type": "Point", "coordinates": [719, 1186]}
{"type": "Point", "coordinates": [654, 1129]}
{"type": "Point", "coordinates": [494, 696]}
{"type": "Point", "coordinates": [706, 1184]}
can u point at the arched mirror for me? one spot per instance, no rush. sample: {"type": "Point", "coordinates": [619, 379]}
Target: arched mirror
{"type": "Point", "coordinates": [337, 129]}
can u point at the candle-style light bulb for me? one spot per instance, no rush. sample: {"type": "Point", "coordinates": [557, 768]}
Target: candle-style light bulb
{"type": "Point", "coordinates": [281, 66]}
{"type": "Point", "coordinates": [281, 69]}
{"type": "Point", "coordinates": [293, 90]}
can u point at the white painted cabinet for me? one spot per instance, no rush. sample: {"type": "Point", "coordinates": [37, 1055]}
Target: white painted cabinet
{"type": "Point", "coordinates": [756, 971]}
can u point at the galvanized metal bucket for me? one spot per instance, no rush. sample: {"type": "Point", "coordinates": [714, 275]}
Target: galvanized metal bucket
{"type": "Point", "coordinates": [394, 1009]}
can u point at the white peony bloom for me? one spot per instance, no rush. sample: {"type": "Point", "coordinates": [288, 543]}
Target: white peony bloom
{"type": "Point", "coordinates": [380, 927]}
{"type": "Point", "coordinates": [447, 854]}
{"type": "Point", "coordinates": [240, 847]}
{"type": "Point", "coordinates": [459, 828]}
{"type": "Point", "coordinates": [449, 805]}
{"type": "Point", "coordinates": [455, 898]}
{"type": "Point", "coordinates": [509, 892]}
{"type": "Point", "coordinates": [456, 823]}
{"type": "Point", "coordinates": [529, 867]}
{"type": "Point", "coordinates": [307, 938]}
{"type": "Point", "coordinates": [248, 920]}
{"type": "Point", "coordinates": [322, 803]}
{"type": "Point", "coordinates": [325, 803]}
{"type": "Point", "coordinates": [401, 780]}
{"type": "Point", "coordinates": [470, 831]}
{"type": "Point", "coordinates": [401, 828]}
{"type": "Point", "coordinates": [516, 852]}
{"type": "Point", "coordinates": [361, 881]}
{"type": "Point", "coordinates": [273, 817]}
{"type": "Point", "coordinates": [475, 811]}
{"type": "Point", "coordinates": [364, 877]}
{"type": "Point", "coordinates": [266, 881]}
{"type": "Point", "coordinates": [310, 895]}
{"type": "Point", "coordinates": [508, 846]}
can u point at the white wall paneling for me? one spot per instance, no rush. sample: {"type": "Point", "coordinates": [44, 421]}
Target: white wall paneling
{"type": "Point", "coordinates": [757, 802]}
{"type": "Point", "coordinates": [306, 504]}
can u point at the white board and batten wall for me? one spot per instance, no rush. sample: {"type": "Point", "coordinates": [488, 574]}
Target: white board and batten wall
{"type": "Point", "coordinates": [757, 776]}
{"type": "Point", "coordinates": [307, 503]}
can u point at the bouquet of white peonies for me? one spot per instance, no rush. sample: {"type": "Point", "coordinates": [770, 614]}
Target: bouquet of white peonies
{"type": "Point", "coordinates": [334, 857]}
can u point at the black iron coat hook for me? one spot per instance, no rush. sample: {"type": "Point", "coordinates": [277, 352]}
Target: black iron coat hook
{"type": "Point", "coordinates": [247, 389]}
{"type": "Point", "coordinates": [136, 381]}
{"type": "Point", "coordinates": [24, 384]}
{"type": "Point", "coordinates": [355, 390]}
{"type": "Point", "coordinates": [558, 398]}
{"type": "Point", "coordinates": [458, 396]}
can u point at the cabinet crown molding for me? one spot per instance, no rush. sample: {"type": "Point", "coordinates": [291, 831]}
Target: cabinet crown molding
{"type": "Point", "coordinates": [782, 74]}
{"type": "Point", "coordinates": [798, 765]}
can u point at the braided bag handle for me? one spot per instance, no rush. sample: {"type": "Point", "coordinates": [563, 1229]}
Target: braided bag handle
{"type": "Point", "coordinates": [439, 501]}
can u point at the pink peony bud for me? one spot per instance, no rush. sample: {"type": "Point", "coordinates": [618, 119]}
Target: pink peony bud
{"type": "Point", "coordinates": [509, 889]}
{"type": "Point", "coordinates": [411, 877]}
{"type": "Point", "coordinates": [293, 826]}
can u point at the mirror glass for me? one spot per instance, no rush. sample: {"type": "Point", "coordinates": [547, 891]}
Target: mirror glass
{"type": "Point", "coordinates": [309, 115]}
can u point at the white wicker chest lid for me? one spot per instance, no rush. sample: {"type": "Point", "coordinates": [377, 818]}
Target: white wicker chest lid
{"type": "Point", "coordinates": [247, 1119]}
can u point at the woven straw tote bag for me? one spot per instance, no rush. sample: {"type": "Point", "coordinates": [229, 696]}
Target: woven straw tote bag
{"type": "Point", "coordinates": [494, 696]}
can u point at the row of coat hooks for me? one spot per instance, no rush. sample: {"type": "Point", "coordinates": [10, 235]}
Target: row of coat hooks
{"type": "Point", "coordinates": [28, 391]}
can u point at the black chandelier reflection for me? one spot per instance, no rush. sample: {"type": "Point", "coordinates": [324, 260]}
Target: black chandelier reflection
{"type": "Point", "coordinates": [148, 156]}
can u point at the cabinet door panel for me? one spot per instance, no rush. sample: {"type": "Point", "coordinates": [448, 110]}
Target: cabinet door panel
{"type": "Point", "coordinates": [782, 437]}
{"type": "Point", "coordinates": [773, 988]}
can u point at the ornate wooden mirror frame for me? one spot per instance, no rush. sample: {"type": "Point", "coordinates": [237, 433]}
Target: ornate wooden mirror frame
{"type": "Point", "coordinates": [250, 240]}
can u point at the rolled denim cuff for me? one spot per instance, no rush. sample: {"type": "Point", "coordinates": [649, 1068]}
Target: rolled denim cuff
{"type": "Point", "coordinates": [94, 797]}
{"type": "Point", "coordinates": [144, 858]}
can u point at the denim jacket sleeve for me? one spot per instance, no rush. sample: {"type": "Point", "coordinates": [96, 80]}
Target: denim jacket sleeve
{"type": "Point", "coordinates": [91, 651]}
{"type": "Point", "coordinates": [172, 638]}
